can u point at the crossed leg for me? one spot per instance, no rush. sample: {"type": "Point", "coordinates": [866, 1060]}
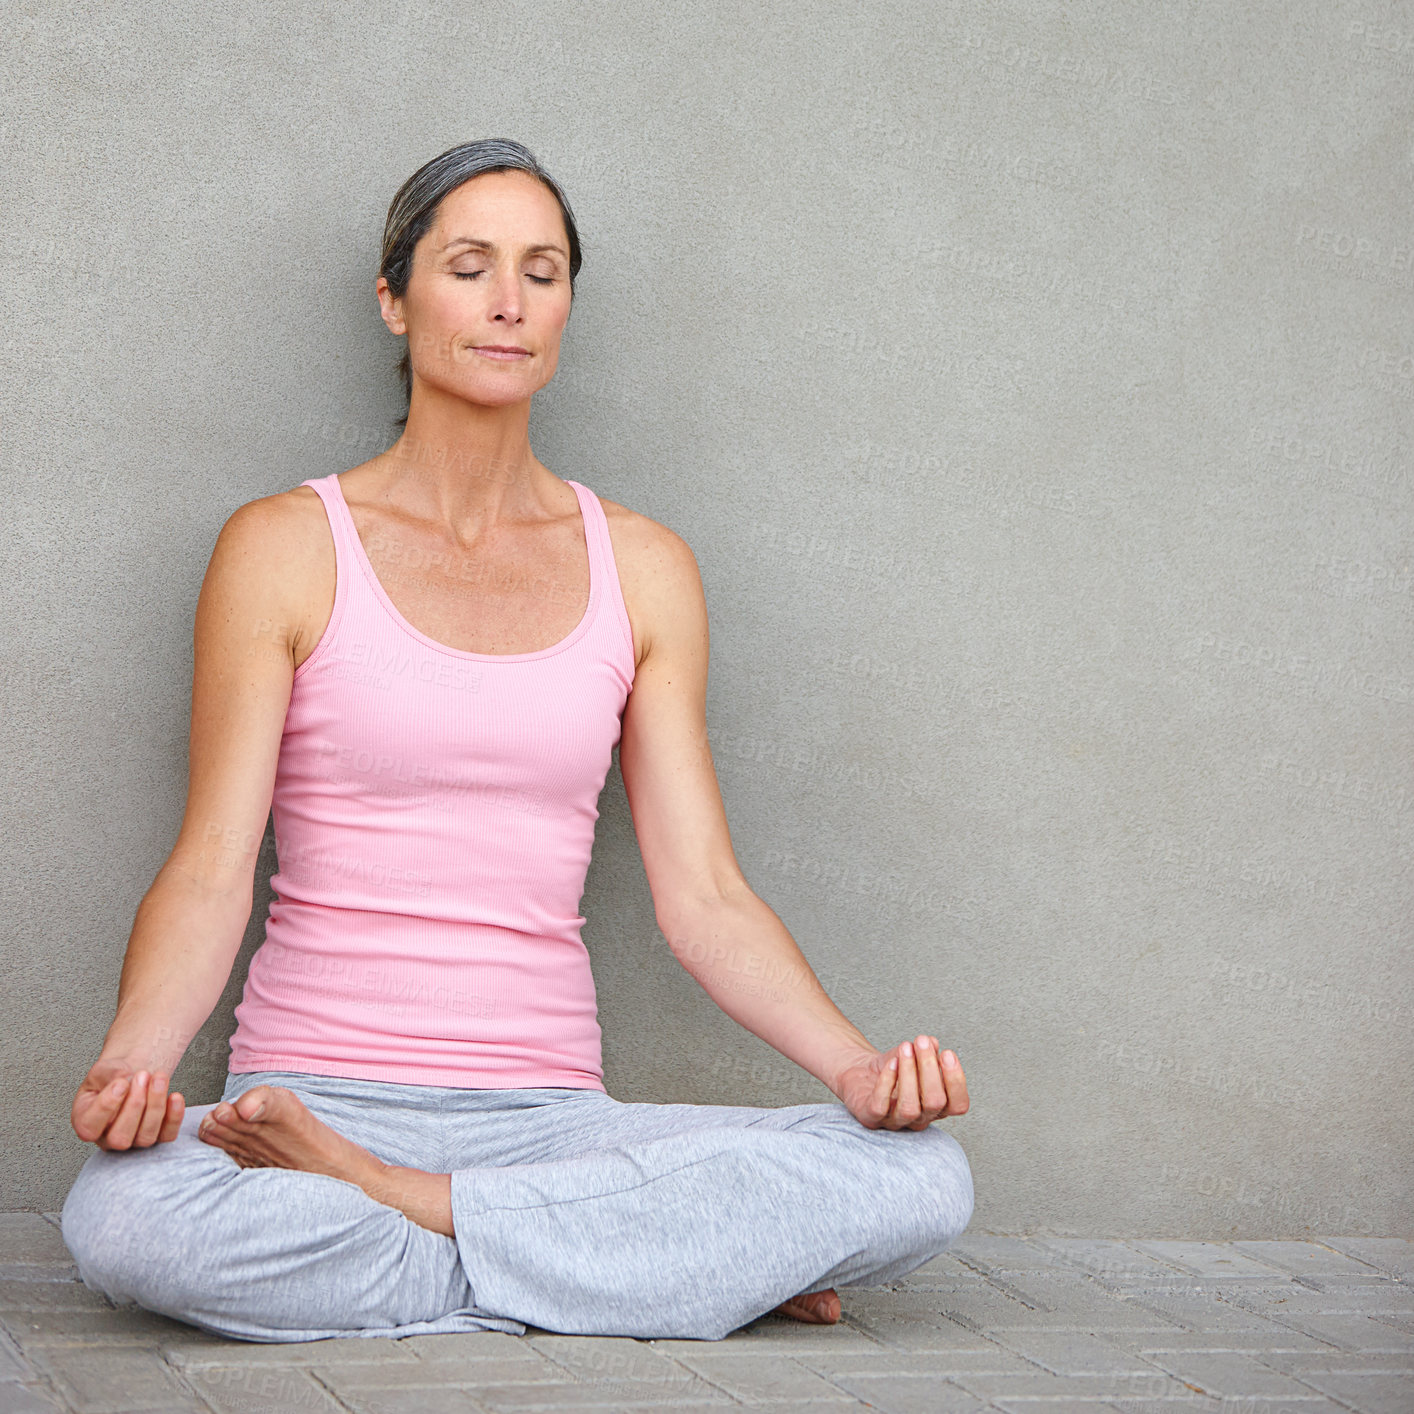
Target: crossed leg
{"type": "Point", "coordinates": [271, 1127]}
{"type": "Point", "coordinates": [525, 1218]}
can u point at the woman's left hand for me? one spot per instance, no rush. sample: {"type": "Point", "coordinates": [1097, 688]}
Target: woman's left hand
{"type": "Point", "coordinates": [907, 1087]}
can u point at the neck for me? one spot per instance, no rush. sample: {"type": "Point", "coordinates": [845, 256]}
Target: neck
{"type": "Point", "coordinates": [461, 462]}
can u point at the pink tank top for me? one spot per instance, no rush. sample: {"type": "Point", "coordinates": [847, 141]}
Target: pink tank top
{"type": "Point", "coordinates": [434, 815]}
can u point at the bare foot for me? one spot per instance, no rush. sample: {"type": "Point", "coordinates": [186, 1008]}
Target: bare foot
{"type": "Point", "coordinates": [821, 1308]}
{"type": "Point", "coordinates": [271, 1127]}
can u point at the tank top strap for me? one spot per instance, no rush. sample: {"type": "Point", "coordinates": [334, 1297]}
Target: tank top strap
{"type": "Point", "coordinates": [346, 579]}
{"type": "Point", "coordinates": [340, 521]}
{"type": "Point", "coordinates": [604, 568]}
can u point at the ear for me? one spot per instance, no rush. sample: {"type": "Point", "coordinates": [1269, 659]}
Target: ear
{"type": "Point", "coordinates": [390, 306]}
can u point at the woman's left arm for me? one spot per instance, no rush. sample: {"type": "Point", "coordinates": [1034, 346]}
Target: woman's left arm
{"type": "Point", "coordinates": [731, 941]}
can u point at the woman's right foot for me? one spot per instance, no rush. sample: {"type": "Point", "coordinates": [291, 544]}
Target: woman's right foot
{"type": "Point", "coordinates": [821, 1308]}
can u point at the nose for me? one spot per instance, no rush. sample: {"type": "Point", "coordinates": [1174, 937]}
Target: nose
{"type": "Point", "coordinates": [506, 295]}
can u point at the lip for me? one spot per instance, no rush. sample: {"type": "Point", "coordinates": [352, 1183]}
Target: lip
{"type": "Point", "coordinates": [505, 352]}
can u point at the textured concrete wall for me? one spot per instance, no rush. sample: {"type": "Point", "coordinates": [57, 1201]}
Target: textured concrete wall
{"type": "Point", "coordinates": [1034, 384]}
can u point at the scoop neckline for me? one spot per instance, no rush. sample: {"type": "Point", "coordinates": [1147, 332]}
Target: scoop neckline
{"type": "Point", "coordinates": [396, 614]}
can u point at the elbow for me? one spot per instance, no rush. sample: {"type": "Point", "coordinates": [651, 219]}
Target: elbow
{"type": "Point", "coordinates": [690, 919]}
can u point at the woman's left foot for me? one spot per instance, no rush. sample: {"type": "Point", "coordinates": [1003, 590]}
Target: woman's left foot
{"type": "Point", "coordinates": [271, 1127]}
{"type": "Point", "coordinates": [821, 1308]}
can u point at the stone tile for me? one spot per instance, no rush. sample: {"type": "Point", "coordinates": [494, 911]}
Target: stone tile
{"type": "Point", "coordinates": [943, 1280]}
{"type": "Point", "coordinates": [1007, 1254]}
{"type": "Point", "coordinates": [1305, 1258]}
{"type": "Point", "coordinates": [120, 1325]}
{"type": "Point", "coordinates": [620, 1368]}
{"type": "Point", "coordinates": [1312, 1402]}
{"type": "Point", "coordinates": [1227, 1375]}
{"type": "Point", "coordinates": [1257, 1344]}
{"type": "Point", "coordinates": [338, 1350]}
{"type": "Point", "coordinates": [434, 1399]}
{"type": "Point", "coordinates": [614, 1359]}
{"type": "Point", "coordinates": [29, 1399]}
{"type": "Point", "coordinates": [439, 1374]}
{"type": "Point", "coordinates": [259, 1389]}
{"type": "Point", "coordinates": [50, 1296]}
{"type": "Point", "coordinates": [1209, 1259]}
{"type": "Point", "coordinates": [1060, 1406]}
{"type": "Point", "coordinates": [1364, 1298]}
{"type": "Point", "coordinates": [1369, 1296]}
{"type": "Point", "coordinates": [941, 1271]}
{"type": "Point", "coordinates": [576, 1395]}
{"type": "Point", "coordinates": [1352, 1332]}
{"type": "Point", "coordinates": [761, 1378]}
{"type": "Point", "coordinates": [13, 1365]}
{"type": "Point", "coordinates": [1190, 1402]}
{"type": "Point", "coordinates": [1200, 1310]}
{"type": "Point", "coordinates": [1110, 1260]}
{"type": "Point", "coordinates": [993, 1361]}
{"type": "Point", "coordinates": [1367, 1393]}
{"type": "Point", "coordinates": [31, 1249]}
{"type": "Point", "coordinates": [1358, 1362]}
{"type": "Point", "coordinates": [466, 1346]}
{"type": "Point", "coordinates": [795, 1338]}
{"type": "Point", "coordinates": [1114, 1388]}
{"type": "Point", "coordinates": [1074, 1353]}
{"type": "Point", "coordinates": [906, 1394]}
{"type": "Point", "coordinates": [1390, 1254]}
{"type": "Point", "coordinates": [914, 1324]}
{"type": "Point", "coordinates": [37, 1271]}
{"type": "Point", "coordinates": [1071, 1302]}
{"type": "Point", "coordinates": [95, 1379]}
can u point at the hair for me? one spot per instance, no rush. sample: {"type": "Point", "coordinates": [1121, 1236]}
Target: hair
{"type": "Point", "coordinates": [415, 207]}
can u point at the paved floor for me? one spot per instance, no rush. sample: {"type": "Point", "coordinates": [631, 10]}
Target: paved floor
{"type": "Point", "coordinates": [1032, 1325]}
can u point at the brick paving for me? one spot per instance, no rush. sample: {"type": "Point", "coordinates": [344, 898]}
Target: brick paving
{"type": "Point", "coordinates": [1018, 1325]}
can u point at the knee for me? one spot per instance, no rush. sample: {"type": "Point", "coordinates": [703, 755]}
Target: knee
{"type": "Point", "coordinates": [116, 1220]}
{"type": "Point", "coordinates": [96, 1226]}
{"type": "Point", "coordinates": [938, 1166]}
{"type": "Point", "coordinates": [955, 1181]}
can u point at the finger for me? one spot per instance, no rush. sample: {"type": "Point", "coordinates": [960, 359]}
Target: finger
{"type": "Point", "coordinates": [154, 1113]}
{"type": "Point", "coordinates": [906, 1107]}
{"type": "Point", "coordinates": [932, 1092]}
{"type": "Point", "coordinates": [956, 1083]}
{"type": "Point", "coordinates": [172, 1123]}
{"type": "Point", "coordinates": [93, 1109]}
{"type": "Point", "coordinates": [882, 1097]}
{"type": "Point", "coordinates": [119, 1134]}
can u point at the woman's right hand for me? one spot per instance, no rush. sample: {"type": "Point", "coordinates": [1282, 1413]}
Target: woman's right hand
{"type": "Point", "coordinates": [119, 1106]}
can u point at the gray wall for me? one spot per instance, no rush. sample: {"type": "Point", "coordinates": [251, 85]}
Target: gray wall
{"type": "Point", "coordinates": [1033, 382]}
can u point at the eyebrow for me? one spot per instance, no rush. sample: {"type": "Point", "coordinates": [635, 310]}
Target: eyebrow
{"type": "Point", "coordinates": [477, 244]}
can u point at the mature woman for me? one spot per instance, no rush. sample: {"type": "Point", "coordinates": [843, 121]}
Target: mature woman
{"type": "Point", "coordinates": [423, 664]}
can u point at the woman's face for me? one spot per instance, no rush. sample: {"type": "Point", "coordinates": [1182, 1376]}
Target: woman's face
{"type": "Point", "coordinates": [492, 270]}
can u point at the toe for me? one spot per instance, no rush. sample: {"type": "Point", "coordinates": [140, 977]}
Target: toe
{"type": "Point", "coordinates": [255, 1103]}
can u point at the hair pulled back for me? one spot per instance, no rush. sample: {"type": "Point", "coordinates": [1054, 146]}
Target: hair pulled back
{"type": "Point", "coordinates": [415, 207]}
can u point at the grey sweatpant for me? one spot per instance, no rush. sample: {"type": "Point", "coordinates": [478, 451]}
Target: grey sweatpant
{"type": "Point", "coordinates": [574, 1212]}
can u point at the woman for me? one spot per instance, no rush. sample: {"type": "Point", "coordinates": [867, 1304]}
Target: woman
{"type": "Point", "coordinates": [423, 664]}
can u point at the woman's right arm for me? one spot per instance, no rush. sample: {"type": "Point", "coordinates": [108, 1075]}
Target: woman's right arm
{"type": "Point", "coordinates": [191, 922]}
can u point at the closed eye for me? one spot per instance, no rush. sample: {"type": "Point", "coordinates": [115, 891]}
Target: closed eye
{"type": "Point", "coordinates": [472, 274]}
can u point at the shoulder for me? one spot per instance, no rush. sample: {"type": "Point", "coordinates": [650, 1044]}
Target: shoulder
{"type": "Point", "coordinates": [274, 556]}
{"type": "Point", "coordinates": [659, 576]}
{"type": "Point", "coordinates": [272, 523]}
